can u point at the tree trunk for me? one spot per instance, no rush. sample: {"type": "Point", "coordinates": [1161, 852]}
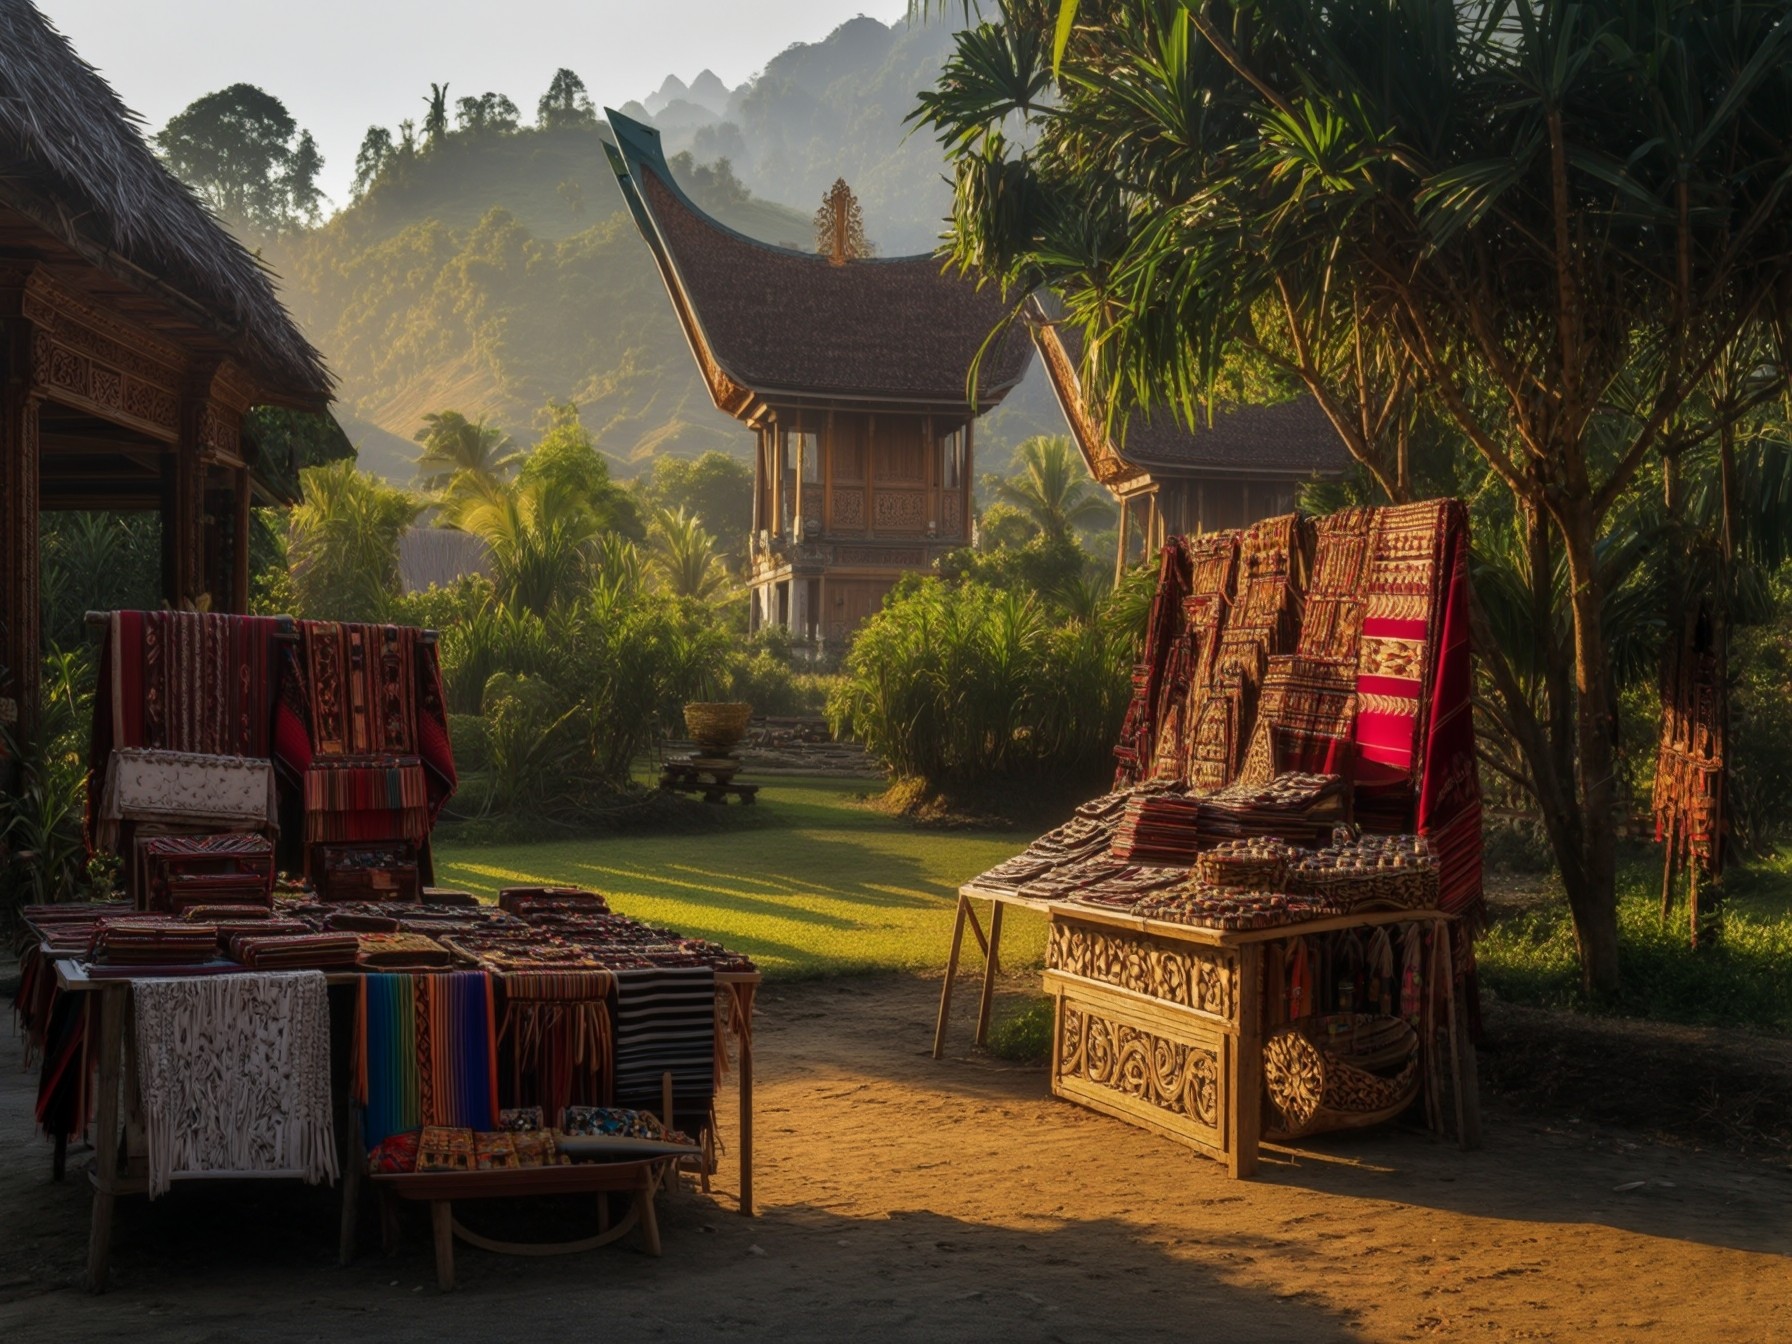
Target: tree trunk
{"type": "Point", "coordinates": [1592, 890]}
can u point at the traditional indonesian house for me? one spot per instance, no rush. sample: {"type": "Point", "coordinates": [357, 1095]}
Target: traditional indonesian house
{"type": "Point", "coordinates": [137, 334]}
{"type": "Point", "coordinates": [852, 373]}
{"type": "Point", "coordinates": [1244, 464]}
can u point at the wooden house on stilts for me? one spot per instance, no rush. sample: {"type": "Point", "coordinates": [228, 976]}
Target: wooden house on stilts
{"type": "Point", "coordinates": [852, 372]}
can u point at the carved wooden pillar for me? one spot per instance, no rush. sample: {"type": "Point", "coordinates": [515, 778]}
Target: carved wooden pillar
{"type": "Point", "coordinates": [20, 499]}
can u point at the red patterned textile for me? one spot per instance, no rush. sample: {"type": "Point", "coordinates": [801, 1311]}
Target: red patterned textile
{"type": "Point", "coordinates": [1449, 811]}
{"type": "Point", "coordinates": [182, 681]}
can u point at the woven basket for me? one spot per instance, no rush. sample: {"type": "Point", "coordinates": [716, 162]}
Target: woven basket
{"type": "Point", "coordinates": [1341, 1071]}
{"type": "Point", "coordinates": [716, 726]}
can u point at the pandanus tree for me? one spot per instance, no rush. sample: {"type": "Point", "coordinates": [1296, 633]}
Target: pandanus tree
{"type": "Point", "coordinates": [1545, 224]}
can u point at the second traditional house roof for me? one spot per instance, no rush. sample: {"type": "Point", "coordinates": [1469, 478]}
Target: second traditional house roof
{"type": "Point", "coordinates": [769, 323]}
{"type": "Point", "coordinates": [1290, 439]}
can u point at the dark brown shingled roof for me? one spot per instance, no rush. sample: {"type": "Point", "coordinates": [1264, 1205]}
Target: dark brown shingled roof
{"type": "Point", "coordinates": [1289, 438]}
{"type": "Point", "coordinates": [781, 321]}
{"type": "Point", "coordinates": [73, 161]}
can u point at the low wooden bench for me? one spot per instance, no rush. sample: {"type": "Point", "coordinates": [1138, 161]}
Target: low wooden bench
{"type": "Point", "coordinates": [688, 777]}
{"type": "Point", "coordinates": [639, 1177]}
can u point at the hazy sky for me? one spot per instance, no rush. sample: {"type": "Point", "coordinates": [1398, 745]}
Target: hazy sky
{"type": "Point", "coordinates": [342, 65]}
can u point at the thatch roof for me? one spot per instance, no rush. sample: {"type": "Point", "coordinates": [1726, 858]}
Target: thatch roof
{"type": "Point", "coordinates": [73, 159]}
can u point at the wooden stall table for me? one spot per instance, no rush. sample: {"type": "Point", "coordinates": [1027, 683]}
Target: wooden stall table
{"type": "Point", "coordinates": [1186, 1005]}
{"type": "Point", "coordinates": [989, 943]}
{"type": "Point", "coordinates": [639, 1178]}
{"type": "Point", "coordinates": [686, 775]}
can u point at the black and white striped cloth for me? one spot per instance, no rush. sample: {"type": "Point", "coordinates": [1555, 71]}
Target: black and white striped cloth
{"type": "Point", "coordinates": [666, 1022]}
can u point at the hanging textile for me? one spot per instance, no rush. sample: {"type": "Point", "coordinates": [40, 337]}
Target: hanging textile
{"type": "Point", "coordinates": [1213, 562]}
{"type": "Point", "coordinates": [1138, 730]}
{"type": "Point", "coordinates": [366, 798]}
{"type": "Point", "coordinates": [234, 1073]}
{"type": "Point", "coordinates": [1331, 622]}
{"type": "Point", "coordinates": [1689, 763]}
{"type": "Point", "coordinates": [666, 1022]}
{"type": "Point", "coordinates": [181, 681]}
{"type": "Point", "coordinates": [1305, 713]}
{"type": "Point", "coordinates": [426, 1053]}
{"type": "Point", "coordinates": [555, 1038]}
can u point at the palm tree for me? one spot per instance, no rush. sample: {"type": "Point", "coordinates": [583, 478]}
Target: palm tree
{"type": "Point", "coordinates": [684, 554]}
{"type": "Point", "coordinates": [454, 447]}
{"type": "Point", "coordinates": [344, 541]}
{"type": "Point", "coordinates": [540, 536]}
{"type": "Point", "coordinates": [1053, 488]}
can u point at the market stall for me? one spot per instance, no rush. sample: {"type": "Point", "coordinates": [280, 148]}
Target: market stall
{"type": "Point", "coordinates": [1265, 929]}
{"type": "Point", "coordinates": [354, 1021]}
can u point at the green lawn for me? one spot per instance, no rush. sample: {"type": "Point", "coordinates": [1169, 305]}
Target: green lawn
{"type": "Point", "coordinates": [809, 881]}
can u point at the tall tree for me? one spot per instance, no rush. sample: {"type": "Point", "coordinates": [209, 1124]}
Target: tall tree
{"type": "Point", "coordinates": [375, 153]}
{"type": "Point", "coordinates": [235, 148]}
{"type": "Point", "coordinates": [304, 195]}
{"type": "Point", "coordinates": [491, 113]}
{"type": "Point", "coordinates": [716, 488]}
{"type": "Point", "coordinates": [435, 120]}
{"type": "Point", "coordinates": [456, 447]}
{"type": "Point", "coordinates": [566, 103]}
{"type": "Point", "coordinates": [1054, 489]}
{"type": "Point", "coordinates": [1544, 222]}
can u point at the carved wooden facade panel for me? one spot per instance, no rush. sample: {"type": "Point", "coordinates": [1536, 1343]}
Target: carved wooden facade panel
{"type": "Point", "coordinates": [952, 514]}
{"type": "Point", "coordinates": [1176, 1077]}
{"type": "Point", "coordinates": [900, 510]}
{"type": "Point", "coordinates": [849, 507]}
{"type": "Point", "coordinates": [1203, 979]}
{"type": "Point", "coordinates": [880, 555]}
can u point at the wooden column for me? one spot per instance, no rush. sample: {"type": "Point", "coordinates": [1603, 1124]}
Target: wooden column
{"type": "Point", "coordinates": [242, 528]}
{"type": "Point", "coordinates": [20, 499]}
{"type": "Point", "coordinates": [183, 506]}
{"type": "Point", "coordinates": [1120, 547]}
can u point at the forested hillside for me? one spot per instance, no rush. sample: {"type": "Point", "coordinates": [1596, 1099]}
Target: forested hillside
{"type": "Point", "coordinates": [489, 266]}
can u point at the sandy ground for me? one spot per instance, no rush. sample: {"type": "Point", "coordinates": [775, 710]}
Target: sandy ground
{"type": "Point", "coordinates": [905, 1199]}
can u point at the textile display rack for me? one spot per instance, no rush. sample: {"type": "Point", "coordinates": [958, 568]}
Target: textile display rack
{"type": "Point", "coordinates": [356, 1022]}
{"type": "Point", "coordinates": [1265, 930]}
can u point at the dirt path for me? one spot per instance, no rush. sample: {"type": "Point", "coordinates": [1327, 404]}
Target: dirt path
{"type": "Point", "coordinates": [909, 1200]}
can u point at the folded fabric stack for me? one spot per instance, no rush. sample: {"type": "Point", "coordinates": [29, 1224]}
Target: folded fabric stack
{"type": "Point", "coordinates": [1298, 808]}
{"type": "Point", "coordinates": [401, 951]}
{"type": "Point", "coordinates": [535, 902]}
{"type": "Point", "coordinates": [183, 788]}
{"type": "Point", "coordinates": [350, 798]}
{"type": "Point", "coordinates": [1062, 883]}
{"type": "Point", "coordinates": [149, 941]}
{"type": "Point", "coordinates": [1222, 908]}
{"type": "Point", "coordinates": [1397, 872]}
{"type": "Point", "coordinates": [1077, 839]}
{"type": "Point", "coordinates": [1013, 874]}
{"type": "Point", "coordinates": [1134, 882]}
{"type": "Point", "coordinates": [307, 951]}
{"type": "Point", "coordinates": [1258, 864]}
{"type": "Point", "coordinates": [224, 869]}
{"type": "Point", "coordinates": [1159, 828]}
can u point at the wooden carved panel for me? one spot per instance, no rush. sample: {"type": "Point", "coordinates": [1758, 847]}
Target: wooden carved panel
{"type": "Point", "coordinates": [1176, 1077]}
{"type": "Point", "coordinates": [849, 507]}
{"type": "Point", "coordinates": [900, 510]}
{"type": "Point", "coordinates": [1204, 979]}
{"type": "Point", "coordinates": [952, 511]}
{"type": "Point", "coordinates": [880, 555]}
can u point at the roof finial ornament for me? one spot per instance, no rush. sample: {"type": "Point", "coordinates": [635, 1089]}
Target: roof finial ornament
{"type": "Point", "coordinates": [839, 227]}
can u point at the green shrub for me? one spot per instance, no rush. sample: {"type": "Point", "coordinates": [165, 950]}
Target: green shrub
{"type": "Point", "coordinates": [960, 683]}
{"type": "Point", "coordinates": [1025, 1035]}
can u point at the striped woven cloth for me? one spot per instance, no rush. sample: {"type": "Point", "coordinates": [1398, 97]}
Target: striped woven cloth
{"type": "Point", "coordinates": [425, 1053]}
{"type": "Point", "coordinates": [666, 1022]}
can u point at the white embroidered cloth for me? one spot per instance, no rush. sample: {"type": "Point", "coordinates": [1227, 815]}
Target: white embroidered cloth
{"type": "Point", "coordinates": [234, 1073]}
{"type": "Point", "coordinates": [230, 792]}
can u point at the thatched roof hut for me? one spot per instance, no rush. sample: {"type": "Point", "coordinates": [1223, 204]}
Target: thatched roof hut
{"type": "Point", "coordinates": [136, 334]}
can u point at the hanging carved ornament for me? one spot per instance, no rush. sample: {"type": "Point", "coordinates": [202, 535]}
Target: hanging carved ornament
{"type": "Point", "coordinates": [840, 227]}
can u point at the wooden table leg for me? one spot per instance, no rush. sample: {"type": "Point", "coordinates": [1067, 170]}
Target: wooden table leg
{"type": "Point", "coordinates": [650, 1223]}
{"type": "Point", "coordinates": [105, 1151]}
{"type": "Point", "coordinates": [1246, 1082]}
{"type": "Point", "coordinates": [991, 960]}
{"type": "Point", "coordinates": [939, 1028]}
{"type": "Point", "coordinates": [441, 1217]}
{"type": "Point", "coordinates": [353, 1177]}
{"type": "Point", "coordinates": [1464, 1068]}
{"type": "Point", "coordinates": [746, 1104]}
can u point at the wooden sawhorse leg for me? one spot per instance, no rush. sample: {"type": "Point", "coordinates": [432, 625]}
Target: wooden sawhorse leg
{"type": "Point", "coordinates": [966, 915]}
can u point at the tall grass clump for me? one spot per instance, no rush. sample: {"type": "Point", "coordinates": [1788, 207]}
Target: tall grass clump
{"type": "Point", "coordinates": [961, 684]}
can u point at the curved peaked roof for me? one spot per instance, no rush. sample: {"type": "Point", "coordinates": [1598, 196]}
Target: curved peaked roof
{"type": "Point", "coordinates": [1288, 439]}
{"type": "Point", "coordinates": [766, 322]}
{"type": "Point", "coordinates": [73, 161]}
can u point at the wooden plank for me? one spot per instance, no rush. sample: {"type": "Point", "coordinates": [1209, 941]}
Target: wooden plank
{"type": "Point", "coordinates": [1245, 1067]}
{"type": "Point", "coordinates": [939, 1026]}
{"type": "Point", "coordinates": [992, 956]}
{"type": "Point", "coordinates": [441, 1218]}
